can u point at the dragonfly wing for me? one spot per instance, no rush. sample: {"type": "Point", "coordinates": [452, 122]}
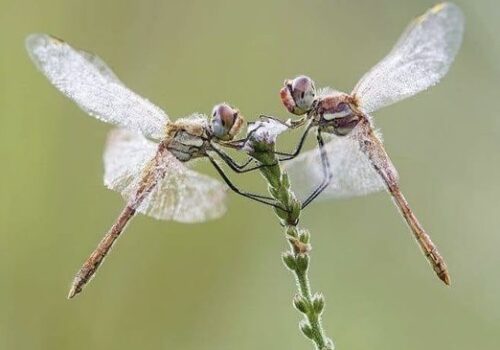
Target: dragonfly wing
{"type": "Point", "coordinates": [176, 193]}
{"type": "Point", "coordinates": [87, 80]}
{"type": "Point", "coordinates": [353, 171]}
{"type": "Point", "coordinates": [420, 58]}
{"type": "Point", "coordinates": [185, 195]}
{"type": "Point", "coordinates": [125, 158]}
{"type": "Point", "coordinates": [98, 63]}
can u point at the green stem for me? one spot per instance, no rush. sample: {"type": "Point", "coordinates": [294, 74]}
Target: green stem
{"type": "Point", "coordinates": [297, 258]}
{"type": "Point", "coordinates": [313, 317]}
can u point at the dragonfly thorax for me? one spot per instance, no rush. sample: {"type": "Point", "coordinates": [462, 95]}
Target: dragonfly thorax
{"type": "Point", "coordinates": [187, 138]}
{"type": "Point", "coordinates": [336, 114]}
{"type": "Point", "coordinates": [341, 126]}
{"type": "Point", "coordinates": [186, 146]}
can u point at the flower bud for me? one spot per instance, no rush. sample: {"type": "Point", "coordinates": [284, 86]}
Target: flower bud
{"type": "Point", "coordinates": [275, 192]}
{"type": "Point", "coordinates": [318, 303]}
{"type": "Point", "coordinates": [304, 236]}
{"type": "Point", "coordinates": [302, 262]}
{"type": "Point", "coordinates": [291, 231]}
{"type": "Point", "coordinates": [306, 329]}
{"type": "Point", "coordinates": [285, 179]}
{"type": "Point", "coordinates": [301, 304]}
{"type": "Point", "coordinates": [289, 261]}
{"type": "Point", "coordinates": [329, 345]}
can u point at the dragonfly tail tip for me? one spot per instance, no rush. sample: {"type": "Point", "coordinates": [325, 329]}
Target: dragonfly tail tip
{"type": "Point", "coordinates": [73, 291]}
{"type": "Point", "coordinates": [445, 277]}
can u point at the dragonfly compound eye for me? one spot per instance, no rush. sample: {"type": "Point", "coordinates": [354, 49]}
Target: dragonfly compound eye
{"type": "Point", "coordinates": [303, 92]}
{"type": "Point", "coordinates": [226, 121]}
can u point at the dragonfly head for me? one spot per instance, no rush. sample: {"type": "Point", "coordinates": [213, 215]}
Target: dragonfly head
{"type": "Point", "coordinates": [226, 122]}
{"type": "Point", "coordinates": [298, 95]}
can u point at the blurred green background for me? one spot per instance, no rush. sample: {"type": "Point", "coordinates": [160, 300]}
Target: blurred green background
{"type": "Point", "coordinates": [221, 285]}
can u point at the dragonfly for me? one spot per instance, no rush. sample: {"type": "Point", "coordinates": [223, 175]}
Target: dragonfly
{"type": "Point", "coordinates": [350, 159]}
{"type": "Point", "coordinates": [147, 156]}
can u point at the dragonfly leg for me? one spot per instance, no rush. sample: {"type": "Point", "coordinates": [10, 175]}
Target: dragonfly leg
{"type": "Point", "coordinates": [327, 174]}
{"type": "Point", "coordinates": [295, 153]}
{"type": "Point", "coordinates": [263, 117]}
{"type": "Point", "coordinates": [237, 144]}
{"type": "Point", "coordinates": [256, 197]}
{"type": "Point", "coordinates": [237, 167]}
{"type": "Point", "coordinates": [241, 142]}
{"type": "Point", "coordinates": [292, 125]}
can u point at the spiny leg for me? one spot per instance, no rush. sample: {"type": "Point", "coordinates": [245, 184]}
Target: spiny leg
{"type": "Point", "coordinates": [287, 155]}
{"type": "Point", "coordinates": [258, 198]}
{"type": "Point", "coordinates": [295, 153]}
{"type": "Point", "coordinates": [235, 166]}
{"type": "Point", "coordinates": [327, 174]}
{"type": "Point", "coordinates": [238, 144]}
{"type": "Point", "coordinates": [234, 187]}
{"type": "Point", "coordinates": [293, 124]}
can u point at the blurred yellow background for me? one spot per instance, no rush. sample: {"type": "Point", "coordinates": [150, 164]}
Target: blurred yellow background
{"type": "Point", "coordinates": [221, 285]}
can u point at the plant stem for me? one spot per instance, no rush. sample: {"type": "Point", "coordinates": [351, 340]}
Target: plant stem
{"type": "Point", "coordinates": [313, 317]}
{"type": "Point", "coordinates": [298, 257]}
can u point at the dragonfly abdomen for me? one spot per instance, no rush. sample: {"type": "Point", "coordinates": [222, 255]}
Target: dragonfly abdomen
{"type": "Point", "coordinates": [89, 268]}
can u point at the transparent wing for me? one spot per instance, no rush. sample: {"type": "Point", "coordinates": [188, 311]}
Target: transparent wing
{"type": "Point", "coordinates": [420, 58]}
{"type": "Point", "coordinates": [98, 63]}
{"type": "Point", "coordinates": [353, 171]}
{"type": "Point", "coordinates": [125, 158]}
{"type": "Point", "coordinates": [180, 194]}
{"type": "Point", "coordinates": [87, 80]}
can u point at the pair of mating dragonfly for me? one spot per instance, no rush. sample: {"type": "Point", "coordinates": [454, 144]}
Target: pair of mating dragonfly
{"type": "Point", "coordinates": [147, 158]}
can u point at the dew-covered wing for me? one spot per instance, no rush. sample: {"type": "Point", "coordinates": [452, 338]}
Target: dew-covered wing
{"type": "Point", "coordinates": [87, 80]}
{"type": "Point", "coordinates": [352, 168]}
{"type": "Point", "coordinates": [131, 163]}
{"type": "Point", "coordinates": [420, 58]}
